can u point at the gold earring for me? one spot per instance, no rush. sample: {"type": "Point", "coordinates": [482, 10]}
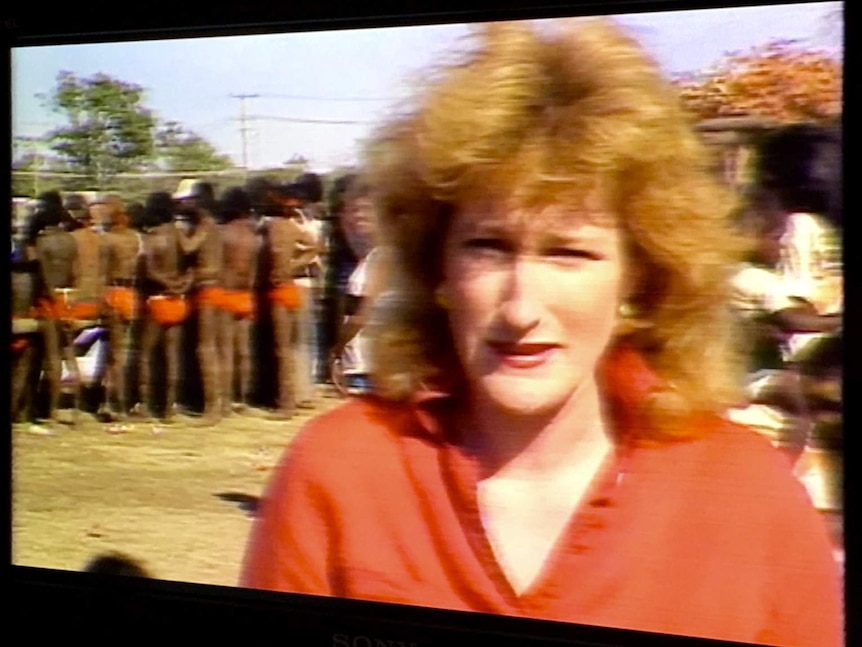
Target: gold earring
{"type": "Point", "coordinates": [627, 310]}
{"type": "Point", "coordinates": [441, 299]}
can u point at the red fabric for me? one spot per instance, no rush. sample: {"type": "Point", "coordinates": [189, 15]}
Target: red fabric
{"type": "Point", "coordinates": [168, 310]}
{"type": "Point", "coordinates": [240, 303]}
{"type": "Point", "coordinates": [286, 295]}
{"type": "Point", "coordinates": [210, 296]}
{"type": "Point", "coordinates": [19, 345]}
{"type": "Point", "coordinates": [122, 300]}
{"type": "Point", "coordinates": [711, 538]}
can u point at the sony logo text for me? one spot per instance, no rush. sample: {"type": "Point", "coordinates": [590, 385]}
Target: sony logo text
{"type": "Point", "coordinates": [343, 640]}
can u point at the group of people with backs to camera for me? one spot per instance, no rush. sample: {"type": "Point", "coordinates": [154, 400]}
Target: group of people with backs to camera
{"type": "Point", "coordinates": [194, 285]}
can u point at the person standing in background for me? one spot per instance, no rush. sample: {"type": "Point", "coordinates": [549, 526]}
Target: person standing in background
{"type": "Point", "coordinates": [89, 270]}
{"type": "Point", "coordinates": [351, 353]}
{"type": "Point", "coordinates": [56, 252]}
{"type": "Point", "coordinates": [164, 287]}
{"type": "Point", "coordinates": [341, 260]}
{"type": "Point", "coordinates": [287, 249]}
{"type": "Point", "coordinates": [122, 249]}
{"type": "Point", "coordinates": [203, 245]}
{"type": "Point", "coordinates": [237, 308]}
{"type": "Point", "coordinates": [311, 206]}
{"type": "Point", "coordinates": [306, 278]}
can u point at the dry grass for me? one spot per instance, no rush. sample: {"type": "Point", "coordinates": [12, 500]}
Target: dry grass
{"type": "Point", "coordinates": [175, 498]}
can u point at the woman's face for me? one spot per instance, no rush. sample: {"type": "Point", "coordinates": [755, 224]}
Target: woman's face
{"type": "Point", "coordinates": [533, 299]}
{"type": "Point", "coordinates": [357, 218]}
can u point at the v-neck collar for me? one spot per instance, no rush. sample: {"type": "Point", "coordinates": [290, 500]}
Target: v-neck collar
{"type": "Point", "coordinates": [461, 475]}
{"type": "Point", "coordinates": [626, 381]}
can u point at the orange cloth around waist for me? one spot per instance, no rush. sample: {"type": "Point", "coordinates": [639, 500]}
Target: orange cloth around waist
{"type": "Point", "coordinates": [209, 296]}
{"type": "Point", "coordinates": [83, 310]}
{"type": "Point", "coordinates": [238, 302]}
{"type": "Point", "coordinates": [122, 301]}
{"type": "Point", "coordinates": [168, 310]}
{"type": "Point", "coordinates": [19, 344]}
{"type": "Point", "coordinates": [286, 295]}
{"type": "Point", "coordinates": [58, 309]}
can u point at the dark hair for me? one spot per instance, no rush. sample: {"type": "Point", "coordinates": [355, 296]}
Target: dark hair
{"type": "Point", "coordinates": [49, 212]}
{"type": "Point", "coordinates": [235, 203]}
{"type": "Point", "coordinates": [116, 564]}
{"type": "Point", "coordinates": [51, 199]}
{"type": "Point", "coordinates": [159, 209]}
{"type": "Point", "coordinates": [75, 202]}
{"type": "Point", "coordinates": [261, 190]}
{"type": "Point", "coordinates": [310, 187]}
{"type": "Point", "coordinates": [339, 189]}
{"type": "Point", "coordinates": [137, 215]}
{"type": "Point", "coordinates": [291, 190]}
{"type": "Point", "coordinates": [802, 164]}
{"type": "Point", "coordinates": [204, 193]}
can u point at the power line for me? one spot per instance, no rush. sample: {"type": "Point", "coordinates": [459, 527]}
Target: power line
{"type": "Point", "coordinates": [298, 97]}
{"type": "Point", "coordinates": [313, 121]}
{"type": "Point", "coordinates": [243, 128]}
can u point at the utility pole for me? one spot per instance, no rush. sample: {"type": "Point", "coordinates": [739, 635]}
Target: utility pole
{"type": "Point", "coordinates": [243, 129]}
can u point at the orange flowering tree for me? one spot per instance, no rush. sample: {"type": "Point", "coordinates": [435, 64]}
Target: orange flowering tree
{"type": "Point", "coordinates": [779, 81]}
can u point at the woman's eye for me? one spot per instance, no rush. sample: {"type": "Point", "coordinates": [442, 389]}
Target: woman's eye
{"type": "Point", "coordinates": [572, 252]}
{"type": "Point", "coordinates": [488, 244]}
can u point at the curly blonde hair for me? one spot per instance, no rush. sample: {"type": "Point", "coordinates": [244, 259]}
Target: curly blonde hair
{"type": "Point", "coordinates": [544, 117]}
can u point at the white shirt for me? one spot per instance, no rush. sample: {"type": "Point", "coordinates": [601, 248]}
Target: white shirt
{"type": "Point", "coordinates": [757, 291]}
{"type": "Point", "coordinates": [811, 267]}
{"type": "Point", "coordinates": [356, 352]}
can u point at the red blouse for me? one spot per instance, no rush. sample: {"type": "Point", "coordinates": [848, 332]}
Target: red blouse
{"type": "Point", "coordinates": [711, 538]}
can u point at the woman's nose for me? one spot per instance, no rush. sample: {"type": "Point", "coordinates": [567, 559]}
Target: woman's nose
{"type": "Point", "coordinates": [521, 307]}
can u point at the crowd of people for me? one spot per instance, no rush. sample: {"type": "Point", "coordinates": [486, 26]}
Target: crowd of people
{"type": "Point", "coordinates": [241, 302]}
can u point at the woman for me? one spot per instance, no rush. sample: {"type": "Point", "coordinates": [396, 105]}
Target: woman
{"type": "Point", "coordinates": [553, 356]}
{"type": "Point", "coordinates": [350, 354]}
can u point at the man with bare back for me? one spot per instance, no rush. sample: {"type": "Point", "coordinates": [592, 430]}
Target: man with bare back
{"type": "Point", "coordinates": [203, 244]}
{"type": "Point", "coordinates": [89, 280]}
{"type": "Point", "coordinates": [164, 287]}
{"type": "Point", "coordinates": [57, 253]}
{"type": "Point", "coordinates": [238, 307]}
{"type": "Point", "coordinates": [121, 249]}
{"type": "Point", "coordinates": [288, 247]}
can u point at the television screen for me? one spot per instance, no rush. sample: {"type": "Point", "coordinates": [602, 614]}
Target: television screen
{"type": "Point", "coordinates": [389, 327]}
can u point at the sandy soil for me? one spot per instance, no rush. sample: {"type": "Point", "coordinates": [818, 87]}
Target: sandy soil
{"type": "Point", "coordinates": [179, 498]}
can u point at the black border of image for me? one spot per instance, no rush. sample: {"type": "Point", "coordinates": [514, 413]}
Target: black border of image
{"type": "Point", "coordinates": [75, 604]}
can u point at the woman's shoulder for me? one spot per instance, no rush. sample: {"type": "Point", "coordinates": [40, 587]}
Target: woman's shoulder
{"type": "Point", "coordinates": [734, 461]}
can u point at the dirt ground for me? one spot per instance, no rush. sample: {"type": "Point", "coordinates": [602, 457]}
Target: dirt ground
{"type": "Point", "coordinates": [178, 498]}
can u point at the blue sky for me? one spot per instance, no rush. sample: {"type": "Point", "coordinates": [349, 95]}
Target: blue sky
{"type": "Point", "coordinates": [350, 76]}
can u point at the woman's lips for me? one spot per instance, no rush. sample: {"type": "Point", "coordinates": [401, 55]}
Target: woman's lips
{"type": "Point", "coordinates": [522, 355]}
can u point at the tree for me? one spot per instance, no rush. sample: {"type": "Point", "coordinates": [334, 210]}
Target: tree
{"type": "Point", "coordinates": [179, 149]}
{"type": "Point", "coordinates": [109, 130]}
{"type": "Point", "coordinates": [780, 81]}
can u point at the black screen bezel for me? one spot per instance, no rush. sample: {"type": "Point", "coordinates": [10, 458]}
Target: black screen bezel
{"type": "Point", "coordinates": [88, 604]}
